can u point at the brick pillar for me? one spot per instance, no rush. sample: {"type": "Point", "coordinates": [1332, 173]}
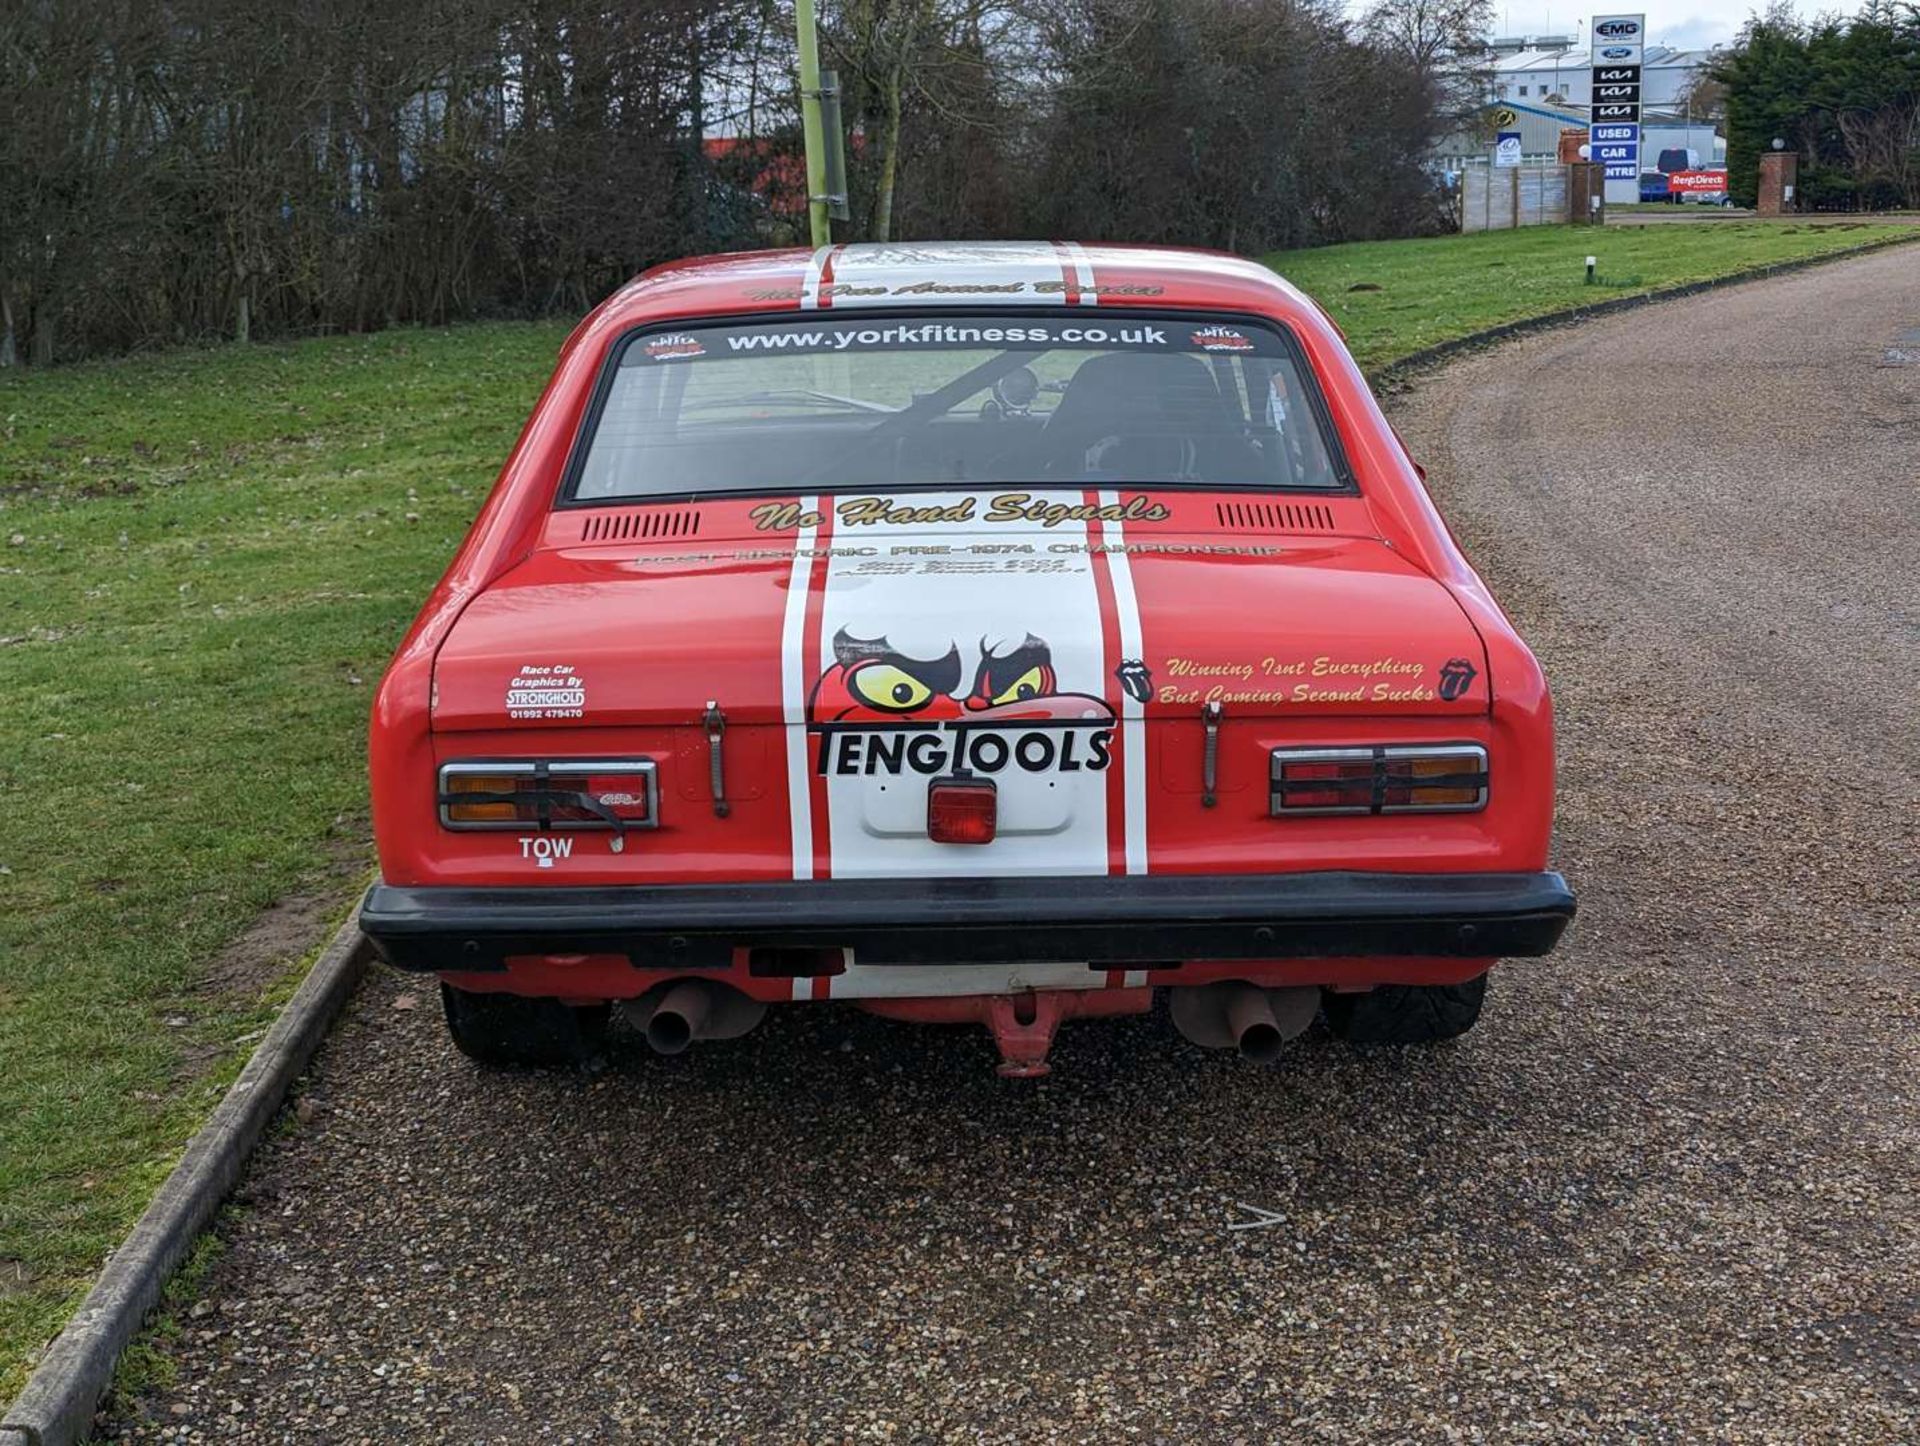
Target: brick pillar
{"type": "Point", "coordinates": [1778, 172]}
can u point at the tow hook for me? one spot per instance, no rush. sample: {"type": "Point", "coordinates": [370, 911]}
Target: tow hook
{"type": "Point", "coordinates": [716, 722]}
{"type": "Point", "coordinates": [1022, 1024]}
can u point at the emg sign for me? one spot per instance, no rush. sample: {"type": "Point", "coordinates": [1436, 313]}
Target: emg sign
{"type": "Point", "coordinates": [1618, 39]}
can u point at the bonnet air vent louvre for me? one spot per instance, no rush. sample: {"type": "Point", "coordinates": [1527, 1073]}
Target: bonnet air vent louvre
{"type": "Point", "coordinates": [1275, 516]}
{"type": "Point", "coordinates": [620, 526]}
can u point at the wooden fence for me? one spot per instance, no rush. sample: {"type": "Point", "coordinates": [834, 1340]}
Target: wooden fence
{"type": "Point", "coordinates": [1500, 198]}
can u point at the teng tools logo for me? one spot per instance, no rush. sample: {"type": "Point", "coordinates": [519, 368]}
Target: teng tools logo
{"type": "Point", "coordinates": [877, 710]}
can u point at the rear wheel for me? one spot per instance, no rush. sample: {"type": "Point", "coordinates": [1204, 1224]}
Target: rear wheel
{"type": "Point", "coordinates": [510, 1029]}
{"type": "Point", "coordinates": [1405, 1013]}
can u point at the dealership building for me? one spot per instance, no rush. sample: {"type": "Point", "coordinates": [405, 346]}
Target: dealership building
{"type": "Point", "coordinates": [1541, 86]}
{"type": "Point", "coordinates": [1549, 68]}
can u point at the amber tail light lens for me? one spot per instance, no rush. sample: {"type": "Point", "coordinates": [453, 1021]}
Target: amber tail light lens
{"type": "Point", "coordinates": [552, 793]}
{"type": "Point", "coordinates": [459, 809]}
{"type": "Point", "coordinates": [1409, 778]}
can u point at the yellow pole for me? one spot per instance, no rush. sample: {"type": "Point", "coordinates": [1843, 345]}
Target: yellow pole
{"type": "Point", "coordinates": [810, 126]}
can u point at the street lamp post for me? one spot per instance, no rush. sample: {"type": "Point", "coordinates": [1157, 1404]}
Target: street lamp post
{"type": "Point", "coordinates": [812, 131]}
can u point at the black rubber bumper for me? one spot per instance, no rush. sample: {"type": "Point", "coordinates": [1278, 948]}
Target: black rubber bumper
{"type": "Point", "coordinates": [1106, 920]}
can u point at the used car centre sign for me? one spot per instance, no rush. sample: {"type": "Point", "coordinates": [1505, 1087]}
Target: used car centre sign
{"type": "Point", "coordinates": [1619, 43]}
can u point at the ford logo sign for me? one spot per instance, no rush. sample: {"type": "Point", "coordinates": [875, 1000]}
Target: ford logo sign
{"type": "Point", "coordinates": [1616, 52]}
{"type": "Point", "coordinates": [1617, 29]}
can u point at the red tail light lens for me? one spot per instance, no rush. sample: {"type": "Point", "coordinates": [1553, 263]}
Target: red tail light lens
{"type": "Point", "coordinates": [1409, 778]}
{"type": "Point", "coordinates": [962, 810]}
{"type": "Point", "coordinates": [1347, 785]}
{"type": "Point", "coordinates": [628, 795]}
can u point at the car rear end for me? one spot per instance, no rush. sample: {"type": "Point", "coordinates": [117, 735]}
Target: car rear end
{"type": "Point", "coordinates": [967, 662]}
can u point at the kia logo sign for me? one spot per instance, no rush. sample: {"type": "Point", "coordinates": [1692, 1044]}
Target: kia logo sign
{"type": "Point", "coordinates": [1617, 29]}
{"type": "Point", "coordinates": [1616, 52]}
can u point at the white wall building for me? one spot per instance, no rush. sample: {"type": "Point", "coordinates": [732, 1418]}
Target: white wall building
{"type": "Point", "coordinates": [1538, 68]}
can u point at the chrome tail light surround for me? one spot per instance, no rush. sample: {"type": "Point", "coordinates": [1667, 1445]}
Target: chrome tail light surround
{"type": "Point", "coordinates": [1378, 779]}
{"type": "Point", "coordinates": [548, 793]}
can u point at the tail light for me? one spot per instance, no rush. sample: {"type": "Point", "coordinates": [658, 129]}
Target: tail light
{"type": "Point", "coordinates": [962, 810]}
{"type": "Point", "coordinates": [1414, 778]}
{"type": "Point", "coordinates": [550, 793]}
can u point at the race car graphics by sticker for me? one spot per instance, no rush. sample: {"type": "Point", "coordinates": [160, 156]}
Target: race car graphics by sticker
{"type": "Point", "coordinates": [546, 690]}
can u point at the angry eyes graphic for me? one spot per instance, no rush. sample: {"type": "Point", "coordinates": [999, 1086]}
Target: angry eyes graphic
{"type": "Point", "coordinates": [1012, 677]}
{"type": "Point", "coordinates": [869, 681]}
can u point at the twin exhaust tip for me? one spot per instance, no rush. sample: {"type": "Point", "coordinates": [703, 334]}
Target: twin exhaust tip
{"type": "Point", "coordinates": [1229, 1015]}
{"type": "Point", "coordinates": [1233, 1015]}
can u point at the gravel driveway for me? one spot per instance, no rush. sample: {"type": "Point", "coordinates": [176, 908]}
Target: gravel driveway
{"type": "Point", "coordinates": [1666, 1191]}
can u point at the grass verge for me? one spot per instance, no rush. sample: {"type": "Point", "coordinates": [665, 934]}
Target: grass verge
{"type": "Point", "coordinates": [1394, 298]}
{"type": "Point", "coordinates": [205, 559]}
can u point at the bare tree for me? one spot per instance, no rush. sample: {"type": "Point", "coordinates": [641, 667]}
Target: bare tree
{"type": "Point", "coordinates": [173, 170]}
{"type": "Point", "coordinates": [1444, 40]}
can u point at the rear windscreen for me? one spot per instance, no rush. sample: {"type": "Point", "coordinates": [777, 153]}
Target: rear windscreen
{"type": "Point", "coordinates": [970, 399]}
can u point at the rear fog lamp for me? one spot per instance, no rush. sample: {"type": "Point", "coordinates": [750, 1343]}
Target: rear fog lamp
{"type": "Point", "coordinates": [962, 810]}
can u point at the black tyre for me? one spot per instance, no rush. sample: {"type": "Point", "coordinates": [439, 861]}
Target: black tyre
{"type": "Point", "coordinates": [509, 1029]}
{"type": "Point", "coordinates": [1405, 1013]}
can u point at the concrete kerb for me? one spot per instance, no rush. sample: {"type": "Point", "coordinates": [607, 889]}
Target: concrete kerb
{"type": "Point", "coordinates": [56, 1407]}
{"type": "Point", "coordinates": [1397, 374]}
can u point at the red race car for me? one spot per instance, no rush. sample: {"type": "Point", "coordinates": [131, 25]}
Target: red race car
{"type": "Point", "coordinates": [989, 633]}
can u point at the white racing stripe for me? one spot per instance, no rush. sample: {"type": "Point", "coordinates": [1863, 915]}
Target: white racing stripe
{"type": "Point", "coordinates": [793, 696]}
{"type": "Point", "coordinates": [985, 273]}
{"type": "Point", "coordinates": [927, 592]}
{"type": "Point", "coordinates": [1133, 726]}
{"type": "Point", "coordinates": [1082, 271]}
{"type": "Point", "coordinates": [810, 284]}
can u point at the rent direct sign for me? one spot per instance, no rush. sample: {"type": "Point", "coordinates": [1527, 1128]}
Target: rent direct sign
{"type": "Point", "coordinates": [1697, 182]}
{"type": "Point", "coordinates": [1619, 44]}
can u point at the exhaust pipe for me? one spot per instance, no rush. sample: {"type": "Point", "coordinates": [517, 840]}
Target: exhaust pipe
{"type": "Point", "coordinates": [678, 1020]}
{"type": "Point", "coordinates": [1256, 1033]}
{"type": "Point", "coordinates": [1235, 1015]}
{"type": "Point", "coordinates": [694, 1009]}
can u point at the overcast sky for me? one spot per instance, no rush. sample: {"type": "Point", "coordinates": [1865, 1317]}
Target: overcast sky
{"type": "Point", "coordinates": [1685, 25]}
